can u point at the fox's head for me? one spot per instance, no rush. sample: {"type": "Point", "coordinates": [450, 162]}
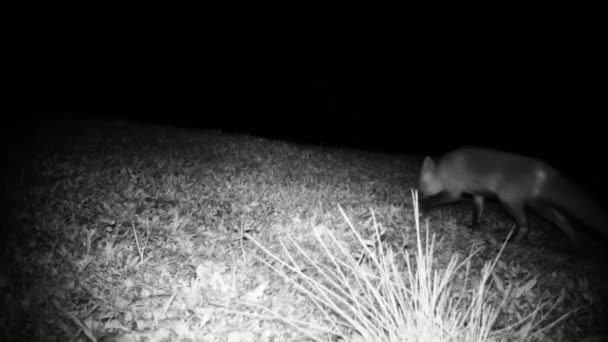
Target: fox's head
{"type": "Point", "coordinates": [429, 182]}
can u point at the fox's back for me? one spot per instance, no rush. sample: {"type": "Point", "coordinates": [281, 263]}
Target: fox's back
{"type": "Point", "coordinates": [472, 169]}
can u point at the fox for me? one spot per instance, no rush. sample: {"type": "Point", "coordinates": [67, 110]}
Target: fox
{"type": "Point", "coordinates": [520, 183]}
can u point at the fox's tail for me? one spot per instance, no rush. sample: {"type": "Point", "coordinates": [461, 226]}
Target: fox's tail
{"type": "Point", "coordinates": [574, 200]}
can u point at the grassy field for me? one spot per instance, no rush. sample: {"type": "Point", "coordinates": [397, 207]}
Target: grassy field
{"type": "Point", "coordinates": [116, 231]}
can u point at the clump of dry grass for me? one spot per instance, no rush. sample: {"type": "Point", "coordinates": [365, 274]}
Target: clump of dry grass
{"type": "Point", "coordinates": [379, 300]}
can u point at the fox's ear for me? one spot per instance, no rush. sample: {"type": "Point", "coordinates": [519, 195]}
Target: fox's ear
{"type": "Point", "coordinates": [428, 165]}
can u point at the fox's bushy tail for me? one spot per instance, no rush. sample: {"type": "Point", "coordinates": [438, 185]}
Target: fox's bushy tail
{"type": "Point", "coordinates": [574, 200]}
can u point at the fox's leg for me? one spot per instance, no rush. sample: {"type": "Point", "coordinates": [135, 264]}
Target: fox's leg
{"type": "Point", "coordinates": [517, 210]}
{"type": "Point", "coordinates": [477, 211]}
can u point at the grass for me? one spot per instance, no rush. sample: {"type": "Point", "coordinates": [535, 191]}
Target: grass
{"type": "Point", "coordinates": [380, 300]}
{"type": "Point", "coordinates": [122, 232]}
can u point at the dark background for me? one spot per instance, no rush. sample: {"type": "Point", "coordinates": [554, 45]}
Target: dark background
{"type": "Point", "coordinates": [384, 79]}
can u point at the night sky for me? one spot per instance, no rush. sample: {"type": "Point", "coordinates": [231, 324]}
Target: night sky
{"type": "Point", "coordinates": [372, 78]}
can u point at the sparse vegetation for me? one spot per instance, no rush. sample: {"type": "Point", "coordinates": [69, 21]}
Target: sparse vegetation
{"type": "Point", "coordinates": [143, 233]}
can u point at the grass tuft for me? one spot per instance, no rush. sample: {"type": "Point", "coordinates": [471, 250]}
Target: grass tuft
{"type": "Point", "coordinates": [395, 297]}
